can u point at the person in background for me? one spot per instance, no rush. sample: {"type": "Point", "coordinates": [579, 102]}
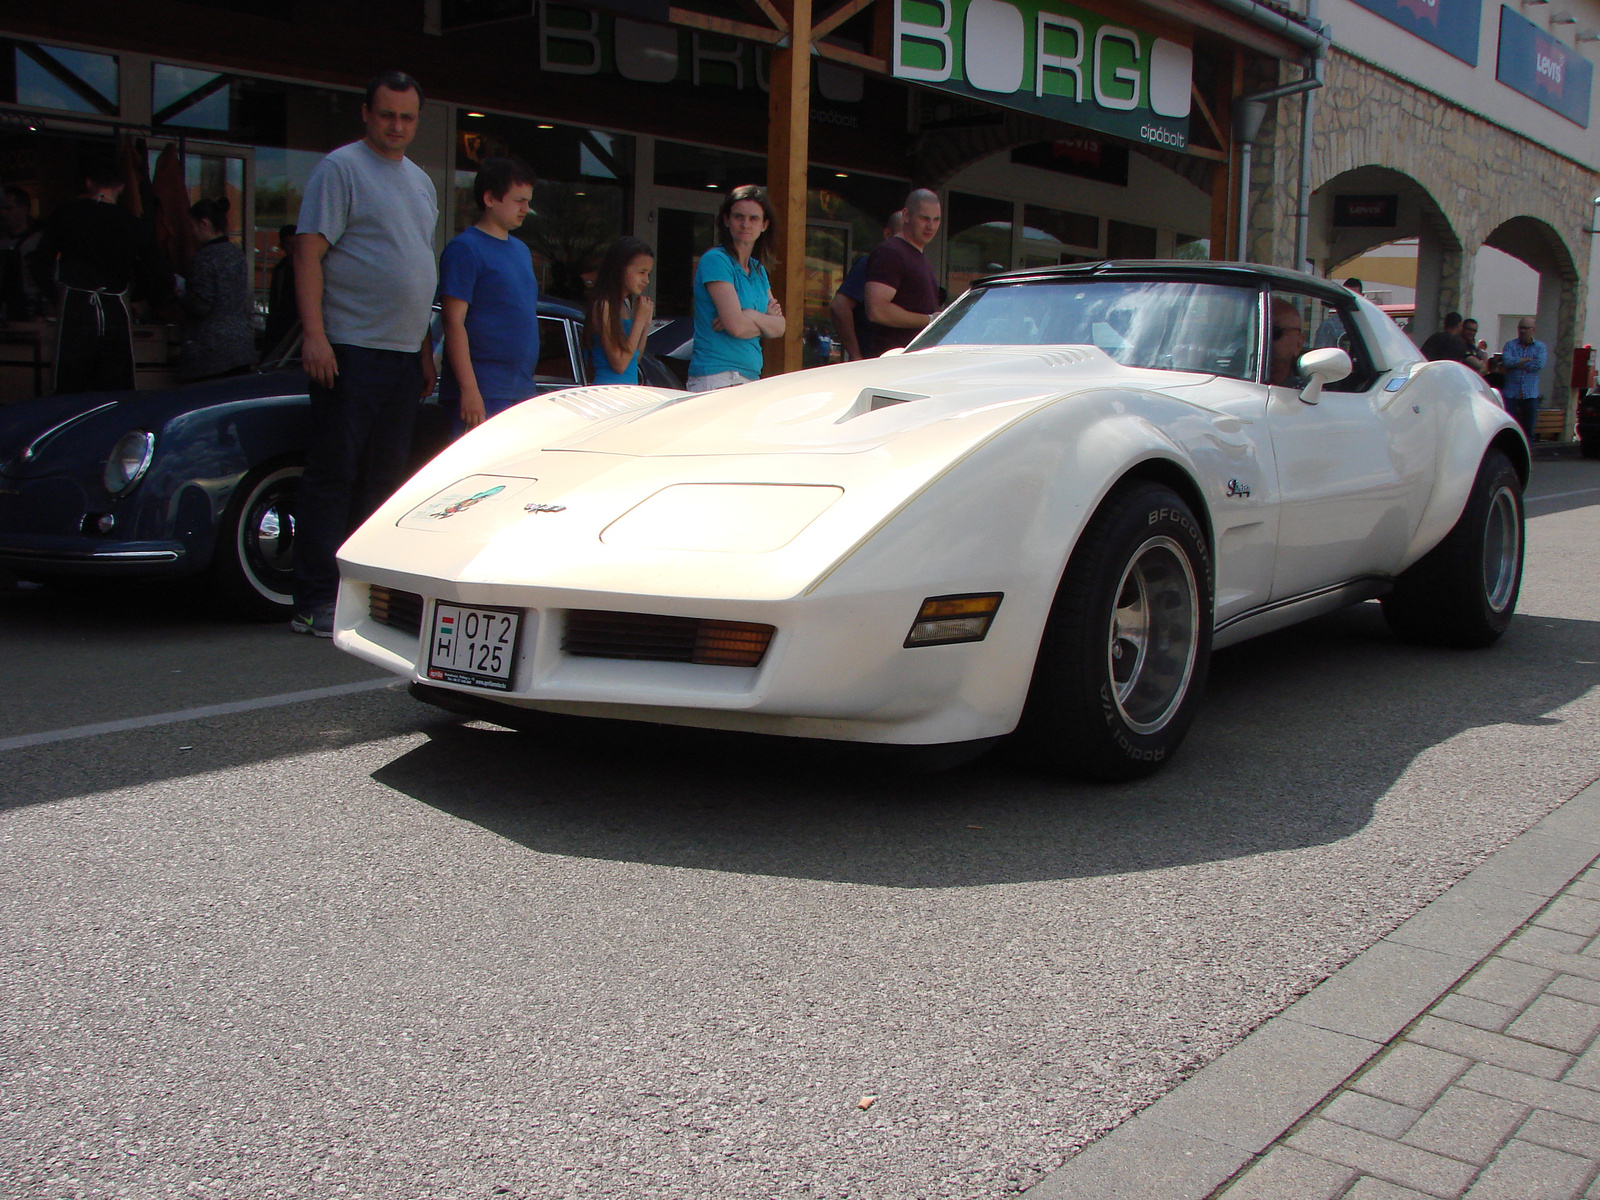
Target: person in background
{"type": "Point", "coordinates": [849, 302]}
{"type": "Point", "coordinates": [619, 312]}
{"type": "Point", "coordinates": [902, 292]}
{"type": "Point", "coordinates": [217, 339]}
{"type": "Point", "coordinates": [282, 311]}
{"type": "Point", "coordinates": [1449, 344]}
{"type": "Point", "coordinates": [364, 279]}
{"type": "Point", "coordinates": [490, 299]}
{"type": "Point", "coordinates": [96, 251]}
{"type": "Point", "coordinates": [733, 303]}
{"type": "Point", "coordinates": [19, 239]}
{"type": "Point", "coordinates": [1522, 360]}
{"type": "Point", "coordinates": [1332, 331]}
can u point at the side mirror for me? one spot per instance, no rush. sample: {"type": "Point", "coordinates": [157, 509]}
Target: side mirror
{"type": "Point", "coordinates": [1328, 365]}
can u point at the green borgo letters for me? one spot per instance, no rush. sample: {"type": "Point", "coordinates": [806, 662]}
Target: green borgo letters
{"type": "Point", "coordinates": [1052, 59]}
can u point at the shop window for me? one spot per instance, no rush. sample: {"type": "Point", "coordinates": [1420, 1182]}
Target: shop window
{"type": "Point", "coordinates": [190, 98]}
{"type": "Point", "coordinates": [53, 77]}
{"type": "Point", "coordinates": [580, 205]}
{"type": "Point", "coordinates": [1051, 236]}
{"type": "Point", "coordinates": [978, 239]}
{"type": "Point", "coordinates": [702, 168]}
{"type": "Point", "coordinates": [1125, 240]}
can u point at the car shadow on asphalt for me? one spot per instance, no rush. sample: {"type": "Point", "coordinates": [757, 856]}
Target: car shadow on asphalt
{"type": "Point", "coordinates": [1300, 734]}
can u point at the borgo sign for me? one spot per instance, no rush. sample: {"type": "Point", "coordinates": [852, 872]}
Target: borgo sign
{"type": "Point", "coordinates": [1034, 523]}
{"type": "Point", "coordinates": [1049, 58]}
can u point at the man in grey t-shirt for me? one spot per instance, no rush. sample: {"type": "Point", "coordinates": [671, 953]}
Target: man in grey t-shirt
{"type": "Point", "coordinates": [365, 274]}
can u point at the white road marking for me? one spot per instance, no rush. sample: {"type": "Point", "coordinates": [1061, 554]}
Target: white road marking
{"type": "Point", "coordinates": [1559, 495]}
{"type": "Point", "coordinates": [194, 714]}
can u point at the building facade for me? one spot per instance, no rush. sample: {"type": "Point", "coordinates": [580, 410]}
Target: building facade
{"type": "Point", "coordinates": [1469, 126]}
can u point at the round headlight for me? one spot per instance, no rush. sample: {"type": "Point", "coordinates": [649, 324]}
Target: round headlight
{"type": "Point", "coordinates": [130, 459]}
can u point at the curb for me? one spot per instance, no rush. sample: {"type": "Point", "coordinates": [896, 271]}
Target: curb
{"type": "Point", "coordinates": [1204, 1131]}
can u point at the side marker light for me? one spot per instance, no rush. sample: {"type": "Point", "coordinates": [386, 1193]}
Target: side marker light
{"type": "Point", "coordinates": [945, 620]}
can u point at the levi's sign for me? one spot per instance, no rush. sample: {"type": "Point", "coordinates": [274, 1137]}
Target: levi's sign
{"type": "Point", "coordinates": [1052, 59]}
{"type": "Point", "coordinates": [1543, 69]}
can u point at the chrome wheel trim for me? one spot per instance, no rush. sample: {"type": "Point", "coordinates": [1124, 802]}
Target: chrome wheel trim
{"type": "Point", "coordinates": [1502, 549]}
{"type": "Point", "coordinates": [265, 537]}
{"type": "Point", "coordinates": [1153, 636]}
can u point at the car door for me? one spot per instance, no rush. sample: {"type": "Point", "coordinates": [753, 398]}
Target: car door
{"type": "Point", "coordinates": [1354, 468]}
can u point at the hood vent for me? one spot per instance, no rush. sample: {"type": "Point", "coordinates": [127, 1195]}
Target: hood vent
{"type": "Point", "coordinates": [598, 403]}
{"type": "Point", "coordinates": [872, 399]}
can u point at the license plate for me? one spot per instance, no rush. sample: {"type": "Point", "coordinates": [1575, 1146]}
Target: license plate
{"type": "Point", "coordinates": [476, 647]}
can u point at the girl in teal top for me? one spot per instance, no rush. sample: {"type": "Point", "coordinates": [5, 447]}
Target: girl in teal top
{"type": "Point", "coordinates": [733, 304]}
{"type": "Point", "coordinates": [615, 341]}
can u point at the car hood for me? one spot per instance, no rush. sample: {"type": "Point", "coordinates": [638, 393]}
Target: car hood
{"type": "Point", "coordinates": [752, 492]}
{"type": "Point", "coordinates": [855, 407]}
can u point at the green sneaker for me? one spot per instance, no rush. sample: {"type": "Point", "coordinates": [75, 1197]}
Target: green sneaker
{"type": "Point", "coordinates": [317, 621]}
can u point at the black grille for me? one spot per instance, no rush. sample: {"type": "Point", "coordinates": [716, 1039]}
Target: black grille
{"type": "Point", "coordinates": [705, 641]}
{"type": "Point", "coordinates": [396, 609]}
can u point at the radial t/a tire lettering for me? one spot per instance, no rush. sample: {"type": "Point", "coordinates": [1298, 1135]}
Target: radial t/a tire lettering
{"type": "Point", "coordinates": [1127, 646]}
{"type": "Point", "coordinates": [1463, 592]}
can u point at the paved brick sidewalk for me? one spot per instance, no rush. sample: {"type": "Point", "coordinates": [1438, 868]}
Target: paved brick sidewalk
{"type": "Point", "coordinates": [1494, 1092]}
{"type": "Point", "coordinates": [1456, 1057]}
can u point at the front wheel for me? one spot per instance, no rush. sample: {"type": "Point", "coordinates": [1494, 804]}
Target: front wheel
{"type": "Point", "coordinates": [1128, 643]}
{"type": "Point", "coordinates": [252, 567]}
{"type": "Point", "coordinates": [1463, 592]}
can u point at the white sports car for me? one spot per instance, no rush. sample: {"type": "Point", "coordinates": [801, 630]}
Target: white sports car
{"type": "Point", "coordinates": [1038, 521]}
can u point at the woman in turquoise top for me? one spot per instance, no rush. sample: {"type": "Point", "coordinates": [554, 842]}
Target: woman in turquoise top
{"type": "Point", "coordinates": [733, 304]}
{"type": "Point", "coordinates": [615, 341]}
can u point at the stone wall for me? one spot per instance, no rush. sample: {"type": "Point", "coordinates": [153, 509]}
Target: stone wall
{"type": "Point", "coordinates": [1479, 175]}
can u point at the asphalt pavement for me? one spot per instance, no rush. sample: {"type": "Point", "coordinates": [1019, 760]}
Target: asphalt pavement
{"type": "Point", "coordinates": [347, 946]}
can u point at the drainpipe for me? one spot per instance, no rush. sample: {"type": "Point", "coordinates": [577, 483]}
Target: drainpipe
{"type": "Point", "coordinates": [1308, 110]}
{"type": "Point", "coordinates": [1248, 113]}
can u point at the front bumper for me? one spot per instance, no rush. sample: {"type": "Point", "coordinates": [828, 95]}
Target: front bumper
{"type": "Point", "coordinates": [56, 555]}
{"type": "Point", "coordinates": [837, 668]}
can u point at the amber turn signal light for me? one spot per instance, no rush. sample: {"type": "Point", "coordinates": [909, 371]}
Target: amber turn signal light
{"type": "Point", "coordinates": [731, 643]}
{"type": "Point", "coordinates": [944, 620]}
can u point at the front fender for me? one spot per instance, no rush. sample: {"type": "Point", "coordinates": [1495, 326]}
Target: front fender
{"type": "Point", "coordinates": [1006, 516]}
{"type": "Point", "coordinates": [1470, 420]}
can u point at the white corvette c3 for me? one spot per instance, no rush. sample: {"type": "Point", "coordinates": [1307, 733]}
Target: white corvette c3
{"type": "Point", "coordinates": [1037, 521]}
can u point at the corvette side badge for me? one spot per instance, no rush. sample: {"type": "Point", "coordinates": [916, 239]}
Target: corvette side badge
{"type": "Point", "coordinates": [1235, 488]}
{"type": "Point", "coordinates": [544, 508]}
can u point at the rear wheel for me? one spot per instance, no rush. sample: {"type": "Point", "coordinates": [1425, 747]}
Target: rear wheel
{"type": "Point", "coordinates": [1128, 643]}
{"type": "Point", "coordinates": [1463, 592]}
{"type": "Point", "coordinates": [1590, 445]}
{"type": "Point", "coordinates": [252, 568]}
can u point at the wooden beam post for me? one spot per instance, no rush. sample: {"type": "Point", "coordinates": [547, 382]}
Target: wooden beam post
{"type": "Point", "coordinates": [788, 154]}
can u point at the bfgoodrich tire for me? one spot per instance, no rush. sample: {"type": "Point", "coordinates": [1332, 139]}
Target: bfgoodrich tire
{"type": "Point", "coordinates": [1128, 643]}
{"type": "Point", "coordinates": [1590, 445]}
{"type": "Point", "coordinates": [1463, 592]}
{"type": "Point", "coordinates": [252, 568]}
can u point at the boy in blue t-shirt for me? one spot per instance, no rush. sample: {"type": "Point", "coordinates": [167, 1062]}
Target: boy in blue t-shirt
{"type": "Point", "coordinates": [490, 299]}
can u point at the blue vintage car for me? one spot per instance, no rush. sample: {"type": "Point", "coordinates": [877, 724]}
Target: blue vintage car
{"type": "Point", "coordinates": [197, 480]}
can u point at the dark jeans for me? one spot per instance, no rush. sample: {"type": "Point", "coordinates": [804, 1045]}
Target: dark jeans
{"type": "Point", "coordinates": [360, 448]}
{"type": "Point", "coordinates": [1526, 411]}
{"type": "Point", "coordinates": [94, 343]}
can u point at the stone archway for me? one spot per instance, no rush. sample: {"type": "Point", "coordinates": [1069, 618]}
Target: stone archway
{"type": "Point", "coordinates": [1336, 237]}
{"type": "Point", "coordinates": [1535, 243]}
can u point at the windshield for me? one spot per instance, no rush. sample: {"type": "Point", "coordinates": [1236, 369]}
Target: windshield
{"type": "Point", "coordinates": [1165, 324]}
